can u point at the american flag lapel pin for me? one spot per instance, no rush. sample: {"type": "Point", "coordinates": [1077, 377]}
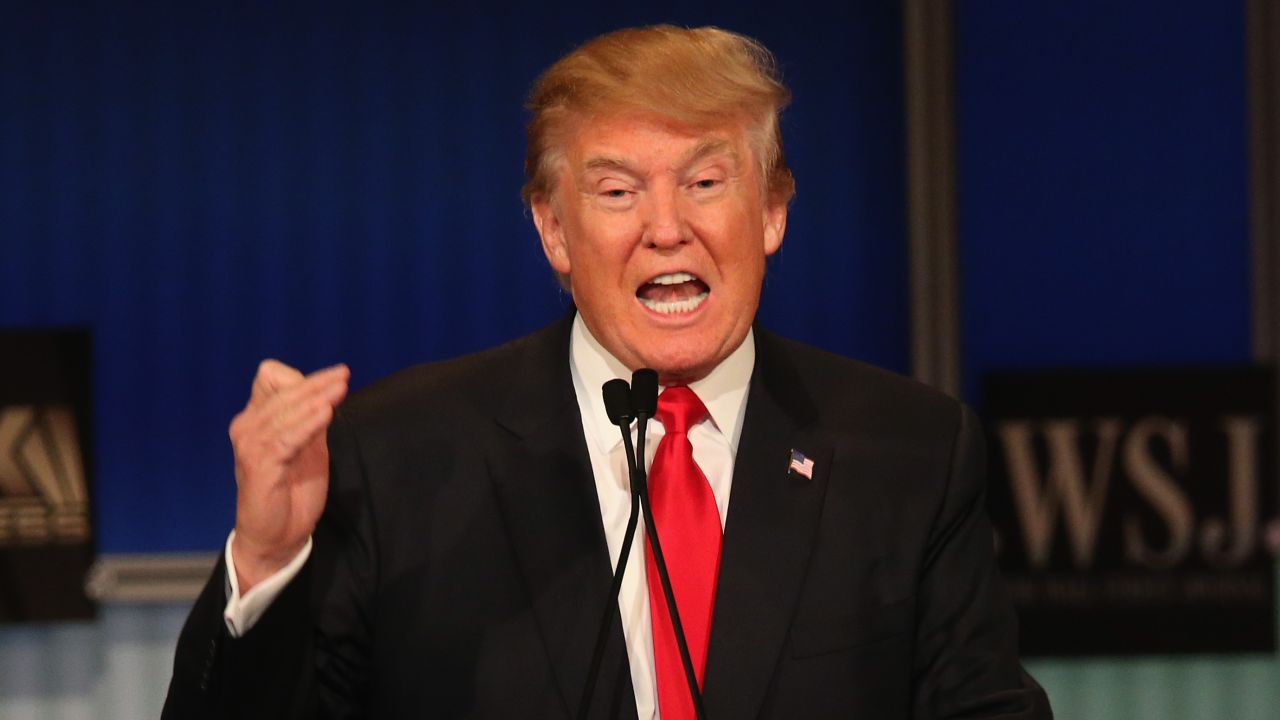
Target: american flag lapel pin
{"type": "Point", "coordinates": [801, 465]}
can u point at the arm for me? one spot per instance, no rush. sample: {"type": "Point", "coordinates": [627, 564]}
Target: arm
{"type": "Point", "coordinates": [298, 656]}
{"type": "Point", "coordinates": [966, 646]}
{"type": "Point", "coordinates": [244, 609]}
{"type": "Point", "coordinates": [260, 675]}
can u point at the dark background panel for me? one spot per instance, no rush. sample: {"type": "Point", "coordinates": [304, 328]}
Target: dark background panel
{"type": "Point", "coordinates": [1103, 184]}
{"type": "Point", "coordinates": [207, 184]}
{"type": "Point", "coordinates": [1184, 532]}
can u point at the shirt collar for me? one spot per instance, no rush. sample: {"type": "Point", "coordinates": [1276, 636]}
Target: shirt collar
{"type": "Point", "coordinates": [723, 391]}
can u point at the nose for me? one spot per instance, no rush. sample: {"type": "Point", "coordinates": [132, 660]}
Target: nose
{"type": "Point", "coordinates": [665, 226]}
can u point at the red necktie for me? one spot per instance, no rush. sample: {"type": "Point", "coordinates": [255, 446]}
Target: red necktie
{"type": "Point", "coordinates": [684, 511]}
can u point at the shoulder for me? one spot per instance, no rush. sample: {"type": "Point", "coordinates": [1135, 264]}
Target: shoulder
{"type": "Point", "coordinates": [455, 389]}
{"type": "Point", "coordinates": [855, 396]}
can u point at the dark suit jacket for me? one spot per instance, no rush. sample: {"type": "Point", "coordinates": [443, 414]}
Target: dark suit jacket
{"type": "Point", "coordinates": [460, 569]}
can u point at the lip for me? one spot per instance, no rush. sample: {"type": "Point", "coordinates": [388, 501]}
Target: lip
{"type": "Point", "coordinates": [676, 271]}
{"type": "Point", "coordinates": [675, 320]}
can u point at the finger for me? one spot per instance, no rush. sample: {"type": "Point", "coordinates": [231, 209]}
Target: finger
{"type": "Point", "coordinates": [275, 378]}
{"type": "Point", "coordinates": [338, 370]}
{"type": "Point", "coordinates": [330, 383]}
{"type": "Point", "coordinates": [271, 377]}
{"type": "Point", "coordinates": [279, 411]}
{"type": "Point", "coordinates": [272, 412]}
{"type": "Point", "coordinates": [304, 429]}
{"type": "Point", "coordinates": [278, 443]}
{"type": "Point", "coordinates": [300, 400]}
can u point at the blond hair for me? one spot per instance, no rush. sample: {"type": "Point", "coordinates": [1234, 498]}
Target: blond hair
{"type": "Point", "coordinates": [695, 76]}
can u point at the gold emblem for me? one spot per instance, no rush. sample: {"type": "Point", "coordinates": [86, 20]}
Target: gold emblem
{"type": "Point", "coordinates": [44, 499]}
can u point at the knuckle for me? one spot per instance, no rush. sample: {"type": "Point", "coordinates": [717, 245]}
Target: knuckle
{"type": "Point", "coordinates": [282, 444]}
{"type": "Point", "coordinates": [236, 429]}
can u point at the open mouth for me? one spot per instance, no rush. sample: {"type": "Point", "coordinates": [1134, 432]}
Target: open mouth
{"type": "Point", "coordinates": [673, 293]}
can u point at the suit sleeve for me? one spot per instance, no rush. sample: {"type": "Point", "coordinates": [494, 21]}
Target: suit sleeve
{"type": "Point", "coordinates": [966, 653]}
{"type": "Point", "coordinates": [307, 656]}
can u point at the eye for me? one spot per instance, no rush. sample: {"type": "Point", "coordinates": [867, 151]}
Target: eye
{"type": "Point", "coordinates": [707, 186]}
{"type": "Point", "coordinates": [614, 197]}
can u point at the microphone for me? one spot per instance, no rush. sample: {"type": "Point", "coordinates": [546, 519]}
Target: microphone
{"type": "Point", "coordinates": [644, 404]}
{"type": "Point", "coordinates": [617, 402]}
{"type": "Point", "coordinates": [618, 406]}
{"type": "Point", "coordinates": [644, 394]}
{"type": "Point", "coordinates": [623, 403]}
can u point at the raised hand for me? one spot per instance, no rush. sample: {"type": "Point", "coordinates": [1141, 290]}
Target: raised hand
{"type": "Point", "coordinates": [282, 465]}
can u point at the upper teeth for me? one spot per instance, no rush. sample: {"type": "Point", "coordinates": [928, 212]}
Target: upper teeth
{"type": "Point", "coordinates": [672, 278]}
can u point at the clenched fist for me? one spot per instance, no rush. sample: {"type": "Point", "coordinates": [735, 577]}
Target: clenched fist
{"type": "Point", "coordinates": [282, 465]}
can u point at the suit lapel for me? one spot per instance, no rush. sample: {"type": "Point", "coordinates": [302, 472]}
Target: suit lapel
{"type": "Point", "coordinates": [773, 519]}
{"type": "Point", "coordinates": [548, 500]}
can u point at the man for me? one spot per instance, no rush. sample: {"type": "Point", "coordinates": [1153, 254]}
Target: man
{"type": "Point", "coordinates": [445, 550]}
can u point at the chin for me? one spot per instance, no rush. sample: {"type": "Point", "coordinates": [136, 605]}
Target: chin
{"type": "Point", "coordinates": [682, 357]}
{"type": "Point", "coordinates": [681, 369]}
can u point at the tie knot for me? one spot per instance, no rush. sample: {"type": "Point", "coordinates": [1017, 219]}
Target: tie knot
{"type": "Point", "coordinates": [679, 409]}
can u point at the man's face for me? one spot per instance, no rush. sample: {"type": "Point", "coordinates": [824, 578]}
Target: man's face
{"type": "Point", "coordinates": [663, 231]}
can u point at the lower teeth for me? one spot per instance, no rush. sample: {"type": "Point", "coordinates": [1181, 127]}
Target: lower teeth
{"type": "Point", "coordinates": [674, 306]}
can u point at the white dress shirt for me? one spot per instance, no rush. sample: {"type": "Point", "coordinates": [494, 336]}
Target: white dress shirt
{"type": "Point", "coordinates": [715, 444]}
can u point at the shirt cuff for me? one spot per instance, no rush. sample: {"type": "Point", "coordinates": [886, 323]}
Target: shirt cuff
{"type": "Point", "coordinates": [243, 612]}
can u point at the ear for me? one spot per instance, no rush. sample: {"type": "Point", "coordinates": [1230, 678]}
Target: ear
{"type": "Point", "coordinates": [775, 226]}
{"type": "Point", "coordinates": [546, 219]}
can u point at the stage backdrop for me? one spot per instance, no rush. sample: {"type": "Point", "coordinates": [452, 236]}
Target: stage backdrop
{"type": "Point", "coordinates": [203, 185]}
{"type": "Point", "coordinates": [1103, 176]}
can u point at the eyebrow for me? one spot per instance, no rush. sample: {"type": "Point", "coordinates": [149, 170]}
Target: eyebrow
{"type": "Point", "coordinates": [704, 149]}
{"type": "Point", "coordinates": [709, 147]}
{"type": "Point", "coordinates": [605, 162]}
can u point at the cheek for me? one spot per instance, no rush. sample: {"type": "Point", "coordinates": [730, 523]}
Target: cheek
{"type": "Point", "coordinates": [605, 247]}
{"type": "Point", "coordinates": [738, 252]}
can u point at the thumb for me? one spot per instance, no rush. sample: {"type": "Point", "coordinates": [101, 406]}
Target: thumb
{"type": "Point", "coordinates": [273, 376]}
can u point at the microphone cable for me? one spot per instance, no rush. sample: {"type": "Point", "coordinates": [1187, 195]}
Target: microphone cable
{"type": "Point", "coordinates": [618, 406]}
{"type": "Point", "coordinates": [623, 403]}
{"type": "Point", "coordinates": [644, 398]}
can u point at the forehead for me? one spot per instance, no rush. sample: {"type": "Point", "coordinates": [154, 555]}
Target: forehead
{"type": "Point", "coordinates": [649, 140]}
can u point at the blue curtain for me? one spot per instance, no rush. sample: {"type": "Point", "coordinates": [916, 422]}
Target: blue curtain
{"type": "Point", "coordinates": [207, 184]}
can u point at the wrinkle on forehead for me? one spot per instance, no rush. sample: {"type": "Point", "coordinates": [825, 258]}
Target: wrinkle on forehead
{"type": "Point", "coordinates": [707, 147]}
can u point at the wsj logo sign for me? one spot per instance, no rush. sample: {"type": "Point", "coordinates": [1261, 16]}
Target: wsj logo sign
{"type": "Point", "coordinates": [43, 494]}
{"type": "Point", "coordinates": [1068, 487]}
{"type": "Point", "coordinates": [1126, 504]}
